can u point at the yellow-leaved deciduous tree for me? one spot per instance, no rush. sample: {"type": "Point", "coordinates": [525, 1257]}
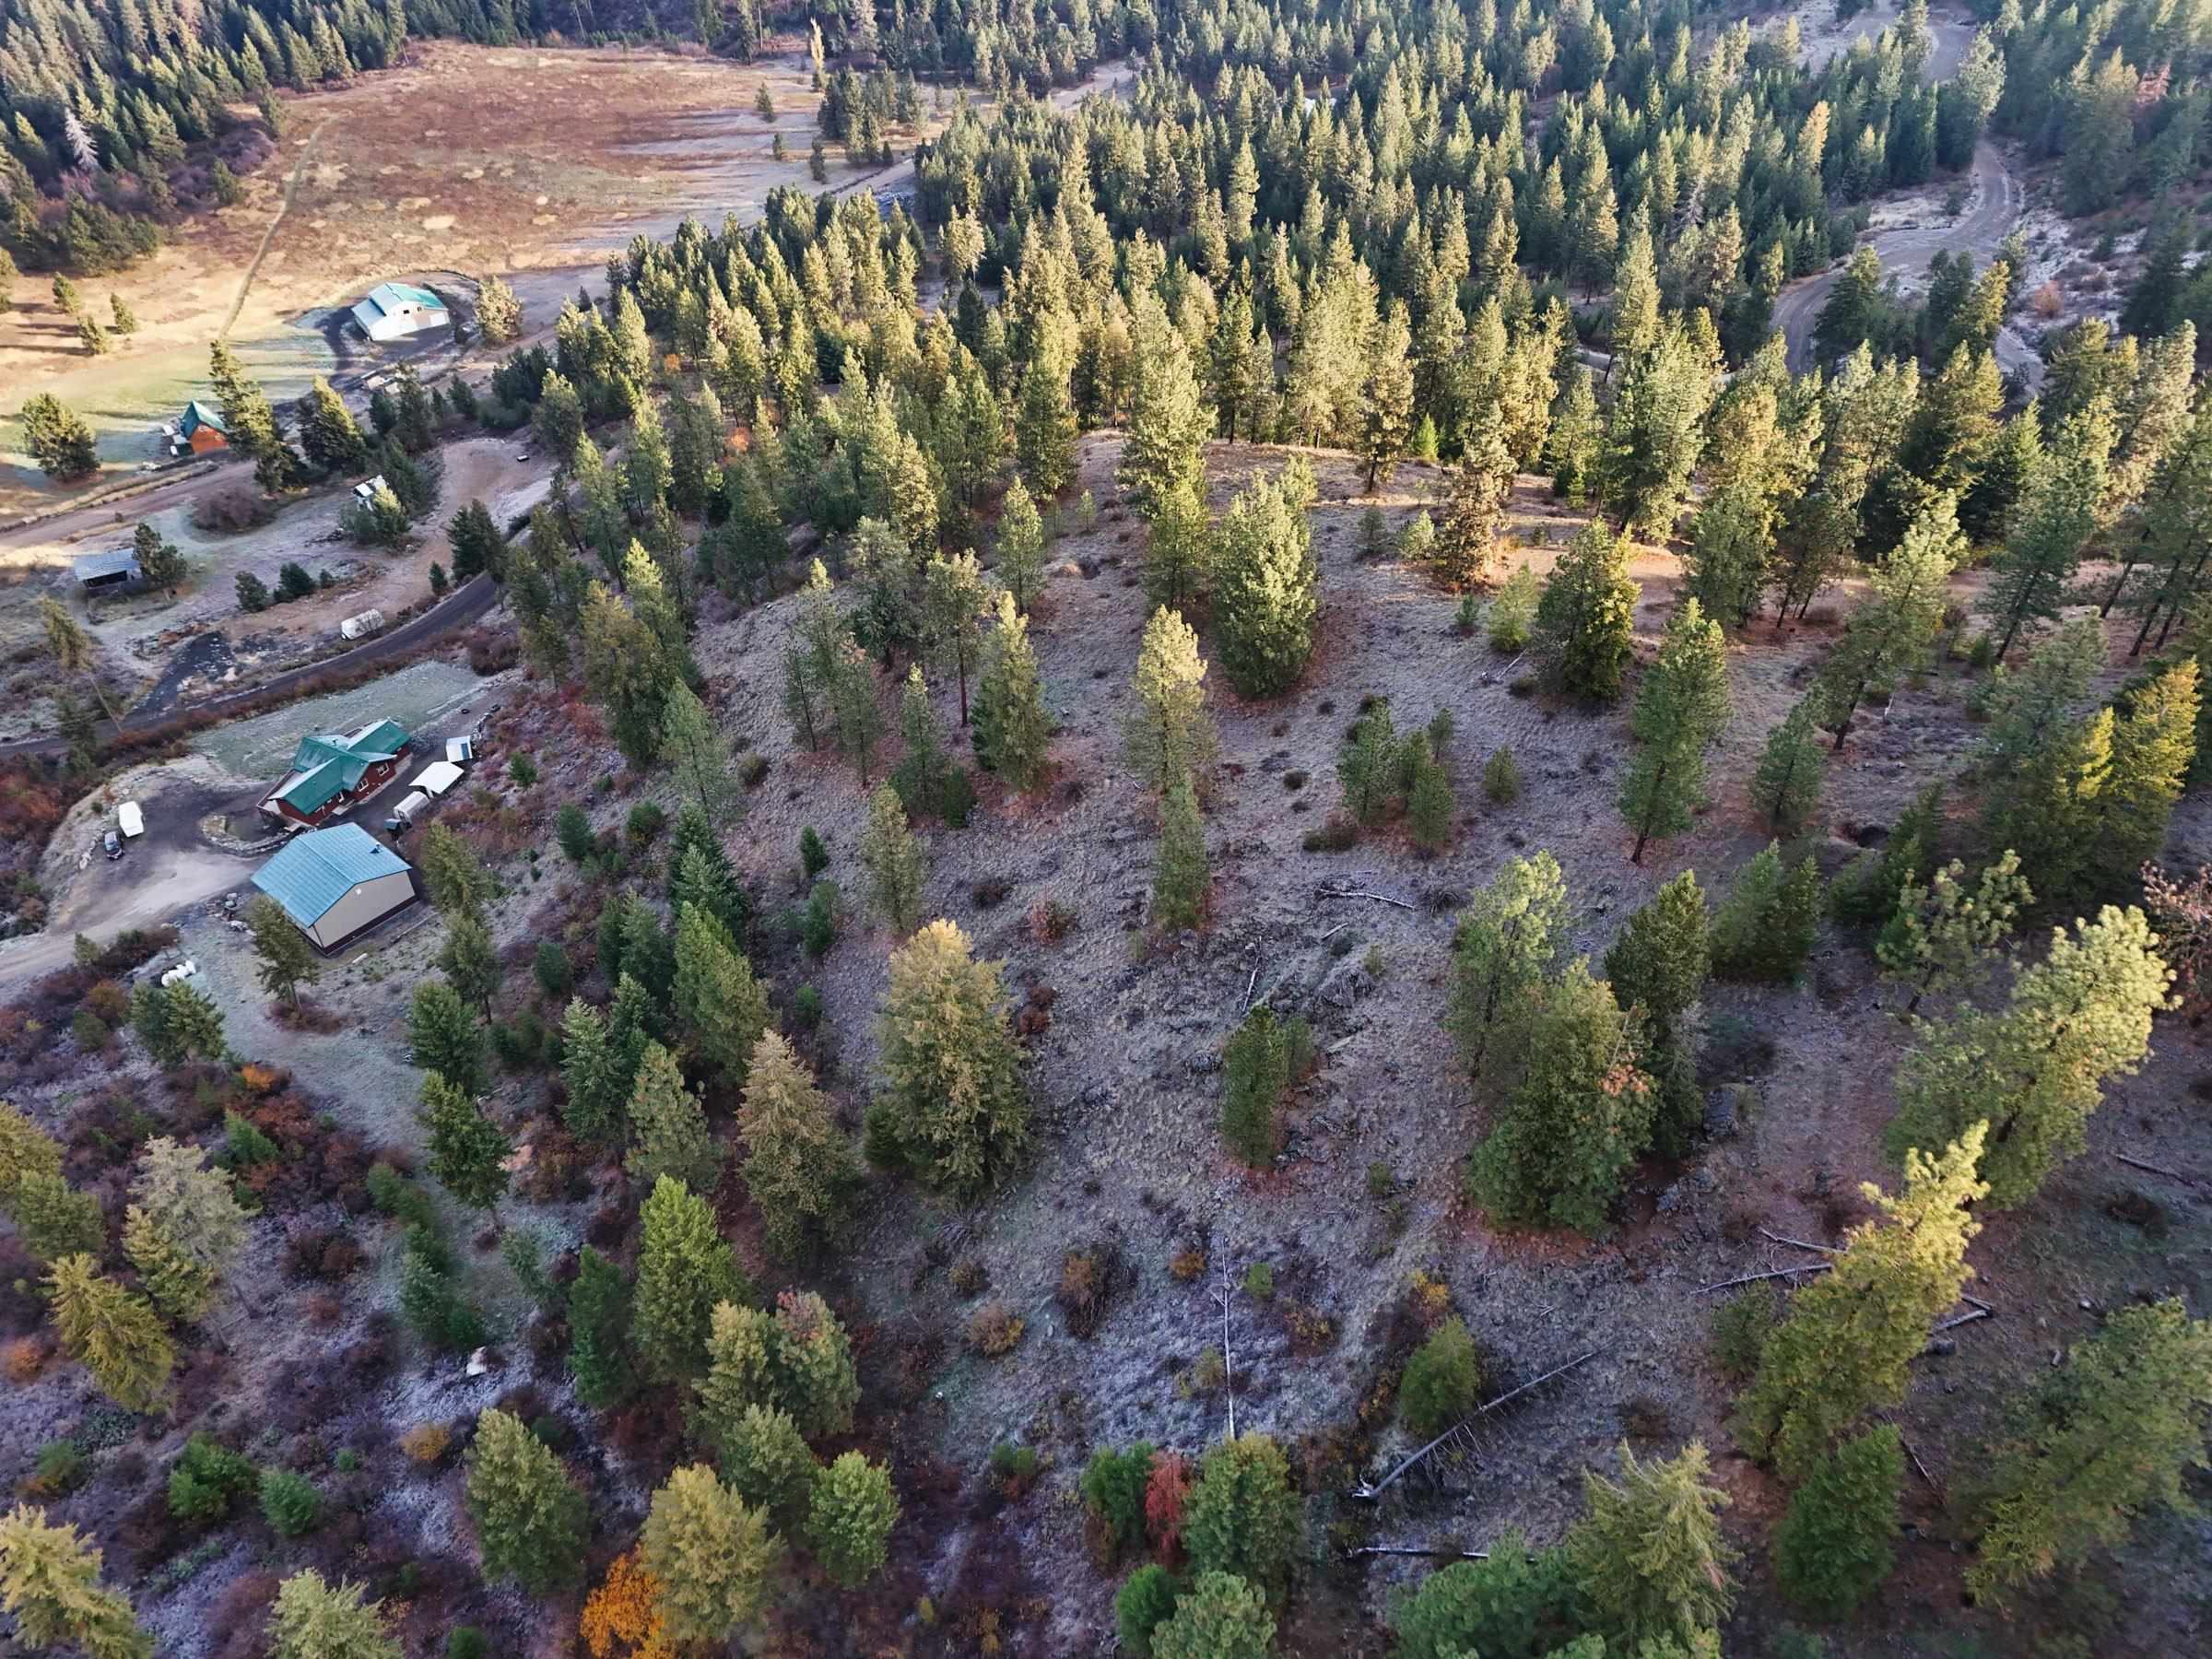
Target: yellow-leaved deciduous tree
{"type": "Point", "coordinates": [2102, 1439]}
{"type": "Point", "coordinates": [1649, 1552]}
{"type": "Point", "coordinates": [25, 1148]}
{"type": "Point", "coordinates": [2035, 1071]}
{"type": "Point", "coordinates": [1170, 733]}
{"type": "Point", "coordinates": [182, 1227]}
{"type": "Point", "coordinates": [798, 1166]}
{"type": "Point", "coordinates": [710, 1552]}
{"type": "Point", "coordinates": [1848, 1342]}
{"type": "Point", "coordinates": [50, 1582]}
{"type": "Point", "coordinates": [117, 1335]}
{"type": "Point", "coordinates": [953, 1102]}
{"type": "Point", "coordinates": [622, 1618]}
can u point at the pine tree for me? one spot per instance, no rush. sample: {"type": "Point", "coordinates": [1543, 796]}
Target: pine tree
{"type": "Point", "coordinates": [685, 1270]}
{"type": "Point", "coordinates": [1851, 1335]}
{"type": "Point", "coordinates": [1044, 415]}
{"type": "Point", "coordinates": [161, 561]}
{"type": "Point", "coordinates": [50, 1582]}
{"type": "Point", "coordinates": [1170, 733]}
{"type": "Point", "coordinates": [1467, 542]}
{"type": "Point", "coordinates": [1649, 1554]}
{"type": "Point", "coordinates": [798, 1167]}
{"type": "Point", "coordinates": [115, 1334]}
{"type": "Point", "coordinates": [1012, 731]}
{"type": "Point", "coordinates": [766, 1462]}
{"type": "Point", "coordinates": [1893, 630]}
{"type": "Point", "coordinates": [2035, 1072]}
{"type": "Point", "coordinates": [1730, 554]}
{"type": "Point", "coordinates": [1583, 620]}
{"type": "Point", "coordinates": [1943, 938]}
{"type": "Point", "coordinates": [1020, 563]}
{"type": "Point", "coordinates": [286, 963]}
{"type": "Point", "coordinates": [1430, 807]}
{"type": "Point", "coordinates": [25, 1148]}
{"type": "Point", "coordinates": [458, 882]}
{"type": "Point", "coordinates": [954, 597]}
{"type": "Point", "coordinates": [1833, 1549]}
{"type": "Point", "coordinates": [498, 312]}
{"type": "Point", "coordinates": [671, 1140]}
{"type": "Point", "coordinates": [52, 1218]}
{"type": "Point", "coordinates": [711, 1555]}
{"type": "Point", "coordinates": [1259, 1063]}
{"type": "Point", "coordinates": [1266, 584]}
{"type": "Point", "coordinates": [1169, 419]}
{"type": "Point", "coordinates": [2035, 567]}
{"type": "Point", "coordinates": [1579, 1112]}
{"type": "Point", "coordinates": [1655, 431]}
{"type": "Point", "coordinates": [468, 1152]}
{"type": "Point", "coordinates": [314, 1619]}
{"type": "Point", "coordinates": [893, 860]}
{"type": "Point", "coordinates": [1658, 967]}
{"type": "Point", "coordinates": [530, 1518]}
{"type": "Point", "coordinates": [1178, 552]}
{"type": "Point", "coordinates": [599, 1320]}
{"type": "Point", "coordinates": [1219, 1617]}
{"type": "Point", "coordinates": [2048, 809]}
{"type": "Point", "coordinates": [1765, 927]}
{"type": "Point", "coordinates": [1508, 939]}
{"type": "Point", "coordinates": [598, 1090]}
{"type": "Point", "coordinates": [696, 750]}
{"type": "Point", "coordinates": [2154, 750]}
{"type": "Point", "coordinates": [1786, 785]}
{"type": "Point", "coordinates": [953, 1095]}
{"type": "Point", "coordinates": [2109, 1435]}
{"type": "Point", "coordinates": [720, 1002]}
{"type": "Point", "coordinates": [1680, 708]}
{"type": "Point", "coordinates": [1180, 877]}
{"type": "Point", "coordinates": [328, 432]}
{"type": "Point", "coordinates": [1386, 399]}
{"type": "Point", "coordinates": [444, 1037]}
{"type": "Point", "coordinates": [183, 1227]}
{"type": "Point", "coordinates": [850, 1517]}
{"type": "Point", "coordinates": [1243, 1516]}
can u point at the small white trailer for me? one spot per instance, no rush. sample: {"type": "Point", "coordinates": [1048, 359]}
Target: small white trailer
{"type": "Point", "coordinates": [406, 810]}
{"type": "Point", "coordinates": [130, 820]}
{"type": "Point", "coordinates": [437, 778]}
{"type": "Point", "coordinates": [361, 624]}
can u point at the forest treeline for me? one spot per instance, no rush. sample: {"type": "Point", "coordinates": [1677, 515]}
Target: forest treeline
{"type": "Point", "coordinates": [1568, 116]}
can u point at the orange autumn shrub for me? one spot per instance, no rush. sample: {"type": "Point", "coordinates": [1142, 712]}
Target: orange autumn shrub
{"type": "Point", "coordinates": [622, 1618]}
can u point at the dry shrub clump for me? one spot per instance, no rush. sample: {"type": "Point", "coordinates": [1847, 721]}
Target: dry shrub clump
{"type": "Point", "coordinates": [994, 1329]}
{"type": "Point", "coordinates": [1187, 1264]}
{"type": "Point", "coordinates": [1091, 1276]}
{"type": "Point", "coordinates": [426, 1443]}
{"type": "Point", "coordinates": [27, 1357]}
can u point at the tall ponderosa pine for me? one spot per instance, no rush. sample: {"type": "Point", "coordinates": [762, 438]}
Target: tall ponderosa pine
{"type": "Point", "coordinates": [696, 750]}
{"type": "Point", "coordinates": [1169, 417]}
{"type": "Point", "coordinates": [1467, 542]}
{"type": "Point", "coordinates": [2035, 565]}
{"type": "Point", "coordinates": [1765, 927]}
{"type": "Point", "coordinates": [1658, 968]}
{"type": "Point", "coordinates": [1012, 731]}
{"type": "Point", "coordinates": [953, 1099]}
{"type": "Point", "coordinates": [1266, 584]}
{"type": "Point", "coordinates": [1852, 1334]}
{"type": "Point", "coordinates": [797, 1166]}
{"type": "Point", "coordinates": [530, 1518]}
{"type": "Point", "coordinates": [685, 1271]}
{"type": "Point", "coordinates": [599, 1316]}
{"type": "Point", "coordinates": [1648, 1552]}
{"type": "Point", "coordinates": [1893, 633]}
{"type": "Point", "coordinates": [2035, 1071]}
{"type": "Point", "coordinates": [1583, 620]}
{"type": "Point", "coordinates": [2111, 1434]}
{"type": "Point", "coordinates": [1508, 939]}
{"type": "Point", "coordinates": [1835, 1545]}
{"type": "Point", "coordinates": [671, 1140]}
{"type": "Point", "coordinates": [1170, 733]}
{"type": "Point", "coordinates": [1680, 708]}
{"type": "Point", "coordinates": [716, 997]}
{"type": "Point", "coordinates": [1577, 1113]}
{"type": "Point", "coordinates": [1180, 878]}
{"type": "Point", "coordinates": [1785, 784]}
{"type": "Point", "coordinates": [1943, 937]}
{"type": "Point", "coordinates": [468, 1152]}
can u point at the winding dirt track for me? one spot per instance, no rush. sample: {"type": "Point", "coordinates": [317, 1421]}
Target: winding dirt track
{"type": "Point", "coordinates": [1996, 205]}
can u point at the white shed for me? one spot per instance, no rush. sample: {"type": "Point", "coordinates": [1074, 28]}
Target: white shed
{"type": "Point", "coordinates": [460, 750]}
{"type": "Point", "coordinates": [404, 812]}
{"type": "Point", "coordinates": [129, 820]}
{"type": "Point", "coordinates": [437, 778]}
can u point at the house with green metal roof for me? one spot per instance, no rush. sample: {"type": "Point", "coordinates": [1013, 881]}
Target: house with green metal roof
{"type": "Point", "coordinates": [330, 773]}
{"type": "Point", "coordinates": [394, 310]}
{"type": "Point", "coordinates": [334, 883]}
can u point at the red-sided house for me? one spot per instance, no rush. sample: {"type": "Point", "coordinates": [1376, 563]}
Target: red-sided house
{"type": "Point", "coordinates": [330, 774]}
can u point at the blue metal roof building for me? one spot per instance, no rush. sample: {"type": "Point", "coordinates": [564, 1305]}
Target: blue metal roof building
{"type": "Point", "coordinates": [334, 883]}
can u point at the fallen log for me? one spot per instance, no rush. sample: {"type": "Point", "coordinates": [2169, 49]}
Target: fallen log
{"type": "Point", "coordinates": [1363, 893]}
{"type": "Point", "coordinates": [1799, 1243]}
{"type": "Point", "coordinates": [1372, 1491]}
{"type": "Point", "coordinates": [2151, 1169]}
{"type": "Point", "coordinates": [1415, 1550]}
{"type": "Point", "coordinates": [1752, 1278]}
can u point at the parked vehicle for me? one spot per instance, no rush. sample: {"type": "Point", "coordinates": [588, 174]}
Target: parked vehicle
{"type": "Point", "coordinates": [111, 844]}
